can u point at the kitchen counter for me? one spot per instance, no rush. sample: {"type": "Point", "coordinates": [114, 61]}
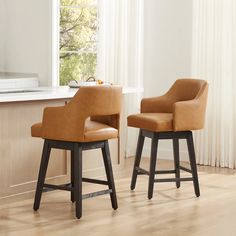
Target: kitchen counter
{"type": "Point", "coordinates": [20, 153]}
{"type": "Point", "coordinates": [46, 93]}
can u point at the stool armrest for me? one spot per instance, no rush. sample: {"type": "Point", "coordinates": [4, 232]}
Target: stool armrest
{"type": "Point", "coordinates": [189, 115]}
{"type": "Point", "coordinates": [161, 104]}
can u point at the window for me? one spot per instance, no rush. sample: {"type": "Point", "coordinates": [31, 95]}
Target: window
{"type": "Point", "coordinates": [78, 39]}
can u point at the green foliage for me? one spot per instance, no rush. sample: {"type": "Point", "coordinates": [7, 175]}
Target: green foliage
{"type": "Point", "coordinates": [78, 67]}
{"type": "Point", "coordinates": [78, 37]}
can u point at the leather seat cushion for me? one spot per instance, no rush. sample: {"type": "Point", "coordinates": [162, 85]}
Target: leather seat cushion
{"type": "Point", "coordinates": [152, 121]}
{"type": "Point", "coordinates": [94, 131]}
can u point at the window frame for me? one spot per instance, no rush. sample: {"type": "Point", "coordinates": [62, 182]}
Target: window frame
{"type": "Point", "coordinates": [56, 6]}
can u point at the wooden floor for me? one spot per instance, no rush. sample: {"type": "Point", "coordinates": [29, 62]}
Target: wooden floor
{"type": "Point", "coordinates": [171, 211]}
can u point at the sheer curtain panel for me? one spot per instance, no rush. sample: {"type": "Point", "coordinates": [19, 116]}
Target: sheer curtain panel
{"type": "Point", "coordinates": [214, 59]}
{"type": "Point", "coordinates": [120, 52]}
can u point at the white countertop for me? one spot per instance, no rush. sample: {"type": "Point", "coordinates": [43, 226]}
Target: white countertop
{"type": "Point", "coordinates": [47, 93]}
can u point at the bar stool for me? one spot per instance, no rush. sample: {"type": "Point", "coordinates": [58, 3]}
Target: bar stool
{"type": "Point", "coordinates": [87, 122]}
{"type": "Point", "coordinates": [171, 116]}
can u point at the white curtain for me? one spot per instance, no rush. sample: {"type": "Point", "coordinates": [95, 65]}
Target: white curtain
{"type": "Point", "coordinates": [121, 42]}
{"type": "Point", "coordinates": [214, 59]}
{"type": "Point", "coordinates": [120, 52]}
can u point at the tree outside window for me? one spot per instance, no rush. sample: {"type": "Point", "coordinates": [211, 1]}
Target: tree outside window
{"type": "Point", "coordinates": [78, 39]}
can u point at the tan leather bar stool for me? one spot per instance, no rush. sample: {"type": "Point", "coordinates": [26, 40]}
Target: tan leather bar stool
{"type": "Point", "coordinates": [87, 122]}
{"type": "Point", "coordinates": [171, 116]}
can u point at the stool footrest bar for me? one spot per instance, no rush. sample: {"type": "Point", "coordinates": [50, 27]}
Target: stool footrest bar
{"type": "Point", "coordinates": [67, 187]}
{"type": "Point", "coordinates": [173, 180]}
{"type": "Point", "coordinates": [185, 169]}
{"type": "Point", "coordinates": [95, 181]}
{"type": "Point", "coordinates": [95, 194]}
{"type": "Point", "coordinates": [145, 172]}
{"type": "Point", "coordinates": [141, 171]}
{"type": "Point", "coordinates": [51, 187]}
{"type": "Point", "coordinates": [165, 172]}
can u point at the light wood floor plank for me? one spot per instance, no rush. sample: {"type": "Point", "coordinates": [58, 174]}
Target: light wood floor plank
{"type": "Point", "coordinates": [172, 211]}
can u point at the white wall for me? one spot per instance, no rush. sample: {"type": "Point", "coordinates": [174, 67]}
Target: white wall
{"type": "Point", "coordinates": [2, 31]}
{"type": "Point", "coordinates": [28, 37]}
{"type": "Point", "coordinates": [167, 47]}
{"type": "Point", "coordinates": [167, 52]}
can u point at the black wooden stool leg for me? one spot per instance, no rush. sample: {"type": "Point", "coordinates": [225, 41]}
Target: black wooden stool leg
{"type": "Point", "coordinates": [72, 176]}
{"type": "Point", "coordinates": [152, 165]}
{"type": "Point", "coordinates": [42, 174]}
{"type": "Point", "coordinates": [193, 163]}
{"type": "Point", "coordinates": [176, 160]}
{"type": "Point", "coordinates": [109, 174]}
{"type": "Point", "coordinates": [137, 159]}
{"type": "Point", "coordinates": [78, 180]}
